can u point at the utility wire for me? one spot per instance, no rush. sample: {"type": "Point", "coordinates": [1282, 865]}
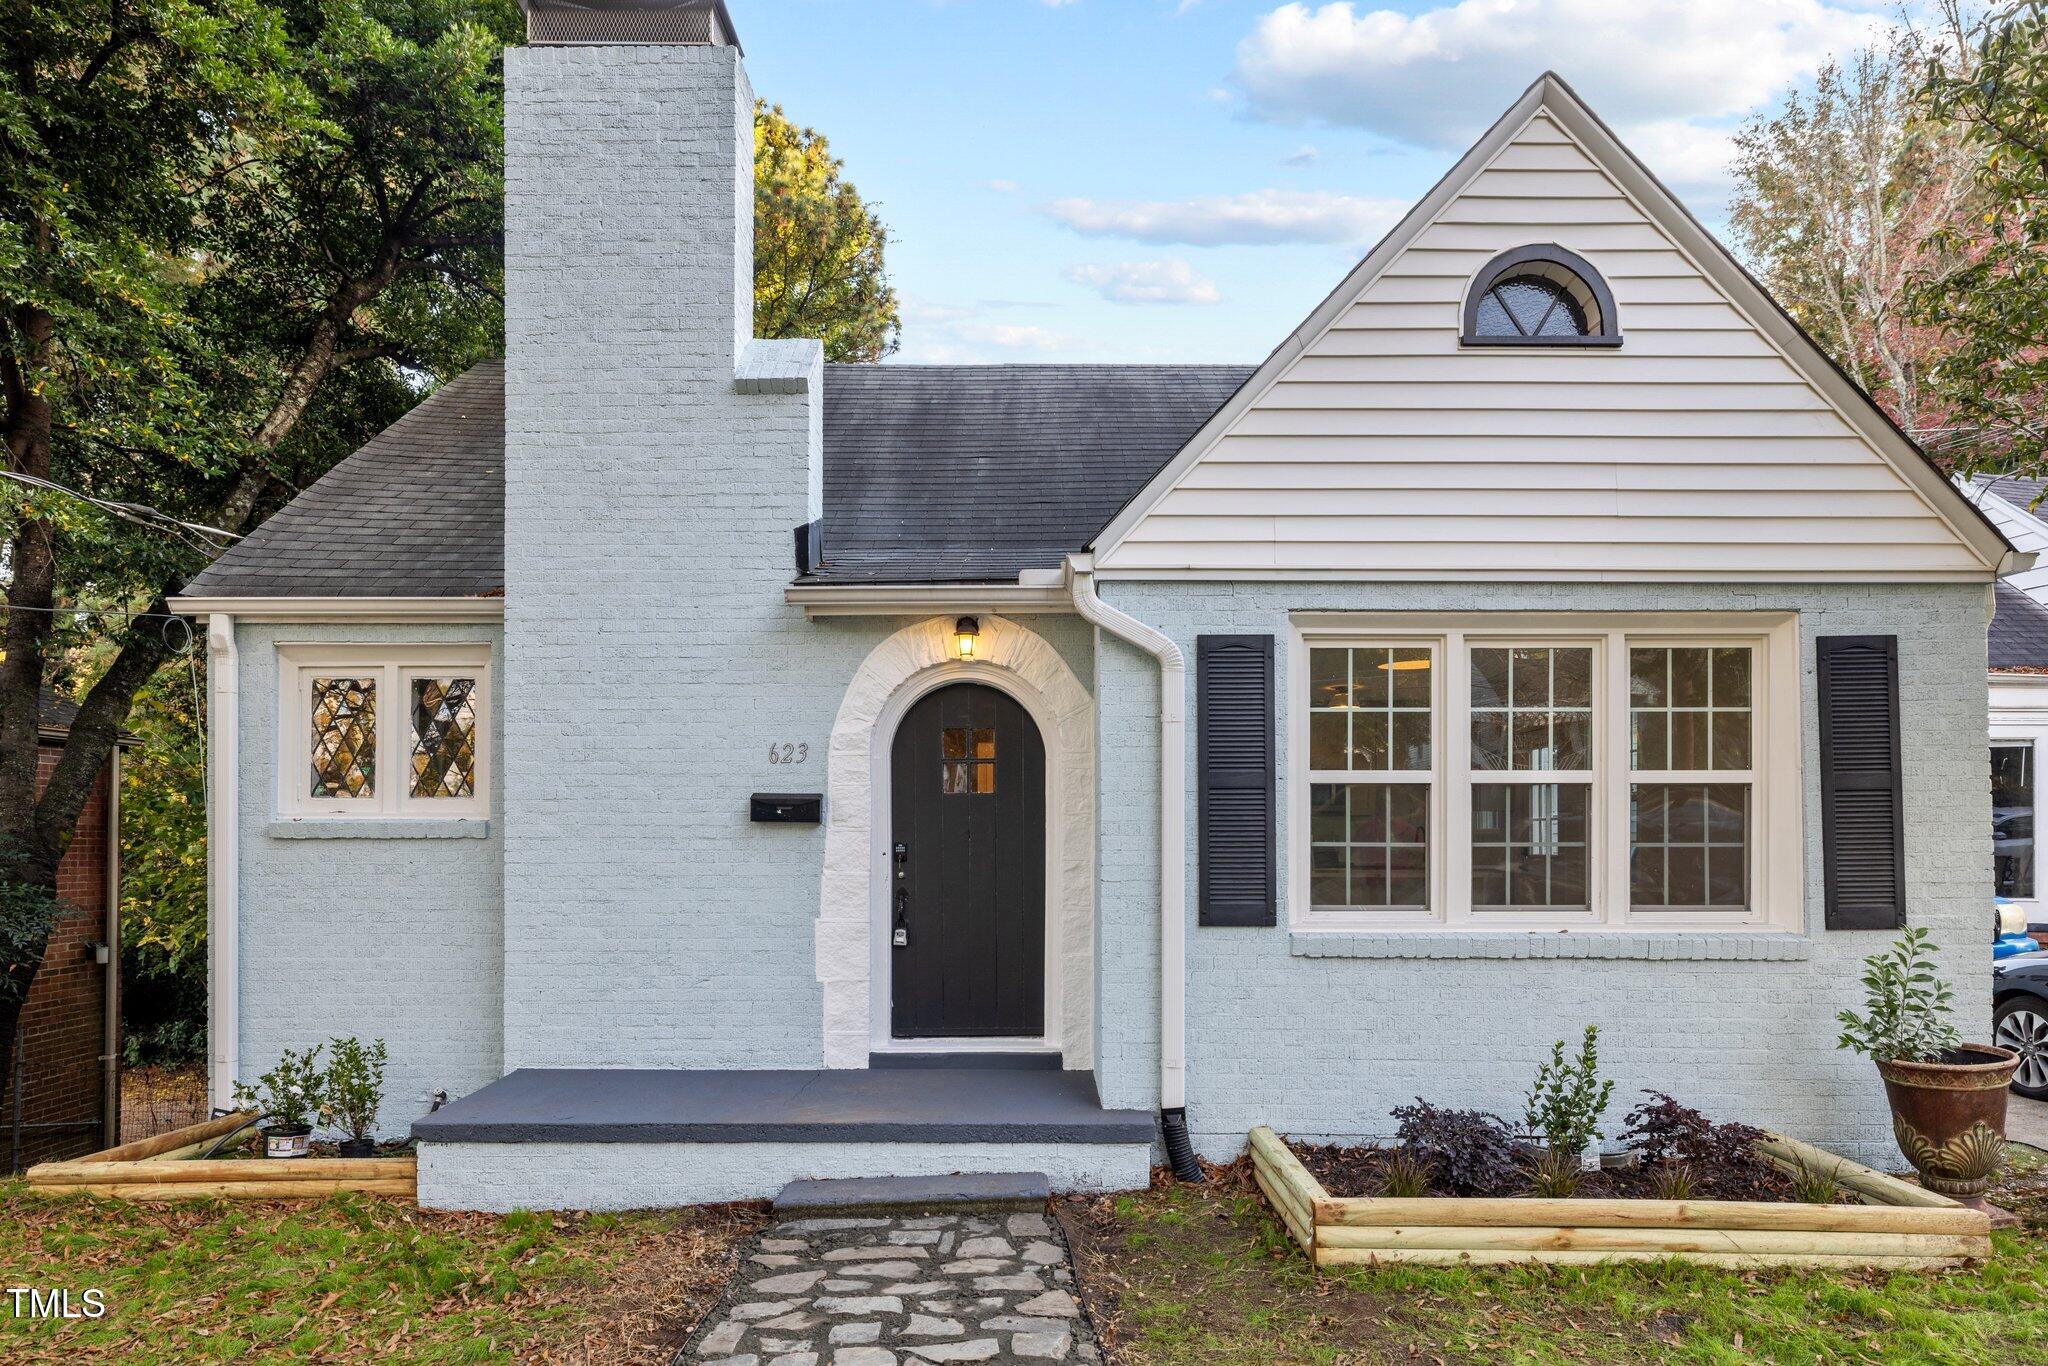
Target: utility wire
{"type": "Point", "coordinates": [141, 514]}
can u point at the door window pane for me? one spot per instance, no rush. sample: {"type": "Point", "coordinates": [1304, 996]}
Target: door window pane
{"type": "Point", "coordinates": [1369, 846]}
{"type": "Point", "coordinates": [1689, 846]}
{"type": "Point", "coordinates": [2012, 821]}
{"type": "Point", "coordinates": [1689, 708]}
{"type": "Point", "coordinates": [1532, 708]}
{"type": "Point", "coordinates": [1529, 846]}
{"type": "Point", "coordinates": [1369, 709]}
{"type": "Point", "coordinates": [344, 712]}
{"type": "Point", "coordinates": [967, 761]}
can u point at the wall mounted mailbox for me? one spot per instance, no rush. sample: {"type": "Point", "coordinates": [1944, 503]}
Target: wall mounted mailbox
{"type": "Point", "coordinates": [789, 808]}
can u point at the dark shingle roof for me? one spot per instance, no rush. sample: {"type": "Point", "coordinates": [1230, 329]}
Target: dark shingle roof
{"type": "Point", "coordinates": [2019, 631]}
{"type": "Point", "coordinates": [2021, 493]}
{"type": "Point", "coordinates": [964, 473]}
{"type": "Point", "coordinates": [417, 513]}
{"type": "Point", "coordinates": [933, 474]}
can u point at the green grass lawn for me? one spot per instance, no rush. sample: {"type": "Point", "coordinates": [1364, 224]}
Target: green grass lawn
{"type": "Point", "coordinates": [1206, 1274]}
{"type": "Point", "coordinates": [357, 1278]}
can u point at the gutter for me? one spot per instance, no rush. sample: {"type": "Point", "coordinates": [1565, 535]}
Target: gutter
{"type": "Point", "coordinates": [223, 861]}
{"type": "Point", "coordinates": [343, 610]}
{"type": "Point", "coordinates": [1173, 673]}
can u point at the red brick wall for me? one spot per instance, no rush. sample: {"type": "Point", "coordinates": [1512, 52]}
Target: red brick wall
{"type": "Point", "coordinates": [66, 1014]}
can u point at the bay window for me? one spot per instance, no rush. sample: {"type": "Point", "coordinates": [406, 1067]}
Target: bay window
{"type": "Point", "coordinates": [1543, 772]}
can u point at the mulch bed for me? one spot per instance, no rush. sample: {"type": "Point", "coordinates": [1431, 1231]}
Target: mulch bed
{"type": "Point", "coordinates": [1358, 1172]}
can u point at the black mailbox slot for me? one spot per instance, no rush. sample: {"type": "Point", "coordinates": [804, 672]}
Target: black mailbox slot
{"type": "Point", "coordinates": [789, 808]}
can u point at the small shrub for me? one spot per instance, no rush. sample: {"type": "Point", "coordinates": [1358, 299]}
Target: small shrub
{"type": "Point", "coordinates": [1406, 1175]}
{"type": "Point", "coordinates": [1813, 1186]}
{"type": "Point", "coordinates": [1906, 1005]}
{"type": "Point", "coordinates": [1465, 1152]}
{"type": "Point", "coordinates": [1555, 1175]}
{"type": "Point", "coordinates": [290, 1092]}
{"type": "Point", "coordinates": [354, 1086]}
{"type": "Point", "coordinates": [1671, 1180]}
{"type": "Point", "coordinates": [1566, 1102]}
{"type": "Point", "coordinates": [1662, 1130]}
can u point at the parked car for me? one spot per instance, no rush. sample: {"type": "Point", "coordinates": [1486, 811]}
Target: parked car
{"type": "Point", "coordinates": [2019, 1018]}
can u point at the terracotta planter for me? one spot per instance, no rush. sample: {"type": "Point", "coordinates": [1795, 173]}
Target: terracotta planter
{"type": "Point", "coordinates": [1949, 1117]}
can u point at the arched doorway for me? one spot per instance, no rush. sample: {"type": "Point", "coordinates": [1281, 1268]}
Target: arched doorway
{"type": "Point", "coordinates": [967, 868]}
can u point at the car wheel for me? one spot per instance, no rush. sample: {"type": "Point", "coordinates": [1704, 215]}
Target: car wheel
{"type": "Point", "coordinates": [2022, 1026]}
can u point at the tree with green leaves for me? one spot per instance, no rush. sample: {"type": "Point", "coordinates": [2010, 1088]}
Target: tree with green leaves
{"type": "Point", "coordinates": [1991, 302]}
{"type": "Point", "coordinates": [818, 247]}
{"type": "Point", "coordinates": [234, 237]}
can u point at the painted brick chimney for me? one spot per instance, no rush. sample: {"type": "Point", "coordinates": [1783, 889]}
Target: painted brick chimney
{"type": "Point", "coordinates": [657, 460]}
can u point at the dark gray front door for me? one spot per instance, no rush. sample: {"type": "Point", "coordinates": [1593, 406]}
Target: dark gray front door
{"type": "Point", "coordinates": [967, 869]}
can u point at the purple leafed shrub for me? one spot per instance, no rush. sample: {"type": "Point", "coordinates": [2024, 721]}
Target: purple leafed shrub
{"type": "Point", "coordinates": [1467, 1152]}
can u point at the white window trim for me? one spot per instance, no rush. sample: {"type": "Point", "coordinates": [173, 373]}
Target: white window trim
{"type": "Point", "coordinates": [1777, 811]}
{"type": "Point", "coordinates": [2019, 715]}
{"type": "Point", "coordinates": [393, 666]}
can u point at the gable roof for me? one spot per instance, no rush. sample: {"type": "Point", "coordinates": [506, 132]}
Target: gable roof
{"type": "Point", "coordinates": [973, 473]}
{"type": "Point", "coordinates": [419, 512]}
{"type": "Point", "coordinates": [933, 474]}
{"type": "Point", "coordinates": [2019, 631]}
{"type": "Point", "coordinates": [1982, 548]}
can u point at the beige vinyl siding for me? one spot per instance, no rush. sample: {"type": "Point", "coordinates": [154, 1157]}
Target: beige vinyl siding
{"type": "Point", "coordinates": [1696, 447]}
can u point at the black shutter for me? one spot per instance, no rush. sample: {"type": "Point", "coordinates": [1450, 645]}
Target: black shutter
{"type": "Point", "coordinates": [1862, 814]}
{"type": "Point", "coordinates": [1234, 742]}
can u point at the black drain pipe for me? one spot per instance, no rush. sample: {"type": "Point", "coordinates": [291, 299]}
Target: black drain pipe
{"type": "Point", "coordinates": [1180, 1152]}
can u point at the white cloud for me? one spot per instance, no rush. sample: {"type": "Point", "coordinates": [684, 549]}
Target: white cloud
{"type": "Point", "coordinates": [1302, 156]}
{"type": "Point", "coordinates": [1147, 282]}
{"type": "Point", "coordinates": [1256, 218]}
{"type": "Point", "coordinates": [1000, 186]}
{"type": "Point", "coordinates": [965, 334]}
{"type": "Point", "coordinates": [1661, 70]}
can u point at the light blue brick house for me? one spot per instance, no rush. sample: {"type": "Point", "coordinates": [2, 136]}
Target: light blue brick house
{"type": "Point", "coordinates": [711, 767]}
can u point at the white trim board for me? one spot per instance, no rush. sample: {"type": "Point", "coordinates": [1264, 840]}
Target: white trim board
{"type": "Point", "coordinates": [1950, 537]}
{"type": "Point", "coordinates": [351, 610]}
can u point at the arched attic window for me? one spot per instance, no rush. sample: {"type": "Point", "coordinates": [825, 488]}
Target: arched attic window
{"type": "Point", "coordinates": [1540, 296]}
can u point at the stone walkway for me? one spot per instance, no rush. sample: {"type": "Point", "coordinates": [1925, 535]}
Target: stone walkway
{"type": "Point", "coordinates": [900, 1292]}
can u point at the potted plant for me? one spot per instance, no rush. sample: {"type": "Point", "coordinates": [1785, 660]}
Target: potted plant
{"type": "Point", "coordinates": [354, 1091]}
{"type": "Point", "coordinates": [1947, 1097]}
{"type": "Point", "coordinates": [287, 1095]}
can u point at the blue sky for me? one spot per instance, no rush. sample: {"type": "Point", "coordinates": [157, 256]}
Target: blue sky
{"type": "Point", "coordinates": [1182, 180]}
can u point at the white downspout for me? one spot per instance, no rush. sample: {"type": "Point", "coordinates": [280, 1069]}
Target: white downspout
{"type": "Point", "coordinates": [223, 865]}
{"type": "Point", "coordinates": [1173, 672]}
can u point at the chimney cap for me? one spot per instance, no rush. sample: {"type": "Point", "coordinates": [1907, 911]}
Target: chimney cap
{"type": "Point", "coordinates": [698, 22]}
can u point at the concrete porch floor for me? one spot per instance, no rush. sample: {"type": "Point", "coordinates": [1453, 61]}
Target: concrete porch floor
{"type": "Point", "coordinates": [926, 1105]}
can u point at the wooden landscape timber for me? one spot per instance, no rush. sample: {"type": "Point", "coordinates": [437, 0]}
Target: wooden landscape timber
{"type": "Point", "coordinates": [1898, 1225]}
{"type": "Point", "coordinates": [167, 1167]}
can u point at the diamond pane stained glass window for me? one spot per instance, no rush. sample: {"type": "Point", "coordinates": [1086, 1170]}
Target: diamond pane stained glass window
{"type": "Point", "coordinates": [443, 737]}
{"type": "Point", "coordinates": [344, 737]}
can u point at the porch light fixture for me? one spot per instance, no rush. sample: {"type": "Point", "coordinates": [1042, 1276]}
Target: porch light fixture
{"type": "Point", "coordinates": [964, 632]}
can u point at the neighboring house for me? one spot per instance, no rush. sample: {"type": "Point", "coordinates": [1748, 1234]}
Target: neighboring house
{"type": "Point", "coordinates": [2019, 692]}
{"type": "Point", "coordinates": [68, 1063]}
{"type": "Point", "coordinates": [768, 767]}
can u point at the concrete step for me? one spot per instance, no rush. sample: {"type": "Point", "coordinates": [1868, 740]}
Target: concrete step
{"type": "Point", "coordinates": [964, 1191]}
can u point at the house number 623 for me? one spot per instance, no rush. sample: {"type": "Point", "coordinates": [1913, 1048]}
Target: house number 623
{"type": "Point", "coordinates": [788, 754]}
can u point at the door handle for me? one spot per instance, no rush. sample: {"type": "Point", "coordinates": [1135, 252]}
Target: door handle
{"type": "Point", "coordinates": [900, 936]}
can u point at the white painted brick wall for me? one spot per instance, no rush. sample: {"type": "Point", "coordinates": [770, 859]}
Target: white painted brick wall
{"type": "Point", "coordinates": [502, 1177]}
{"type": "Point", "coordinates": [1327, 1045]}
{"type": "Point", "coordinates": [398, 939]}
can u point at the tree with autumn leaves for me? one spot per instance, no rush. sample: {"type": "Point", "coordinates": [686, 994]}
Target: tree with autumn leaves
{"type": "Point", "coordinates": [1899, 212]}
{"type": "Point", "coordinates": [237, 239]}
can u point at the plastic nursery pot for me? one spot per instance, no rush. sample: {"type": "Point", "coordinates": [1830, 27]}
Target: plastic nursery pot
{"type": "Point", "coordinates": [358, 1147]}
{"type": "Point", "coordinates": [292, 1140]}
{"type": "Point", "coordinates": [1949, 1117]}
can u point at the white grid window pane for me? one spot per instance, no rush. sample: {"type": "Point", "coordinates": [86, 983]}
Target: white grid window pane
{"type": "Point", "coordinates": [1532, 708]}
{"type": "Point", "coordinates": [1690, 708]}
{"type": "Point", "coordinates": [1369, 709]}
{"type": "Point", "coordinates": [1689, 846]}
{"type": "Point", "coordinates": [1529, 847]}
{"type": "Point", "coordinates": [1369, 846]}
